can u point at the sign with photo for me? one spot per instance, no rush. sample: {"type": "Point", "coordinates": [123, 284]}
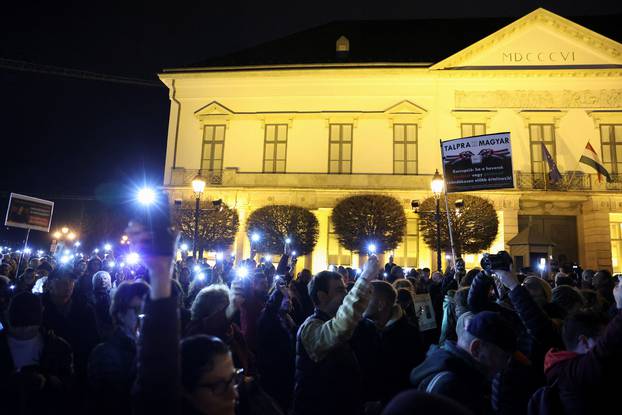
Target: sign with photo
{"type": "Point", "coordinates": [29, 213]}
{"type": "Point", "coordinates": [481, 162]}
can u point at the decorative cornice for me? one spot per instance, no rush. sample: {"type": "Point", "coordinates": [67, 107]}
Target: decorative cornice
{"type": "Point", "coordinates": [542, 99]}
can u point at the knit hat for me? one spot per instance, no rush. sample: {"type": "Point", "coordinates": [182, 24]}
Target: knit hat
{"type": "Point", "coordinates": [25, 309]}
{"type": "Point", "coordinates": [493, 328]}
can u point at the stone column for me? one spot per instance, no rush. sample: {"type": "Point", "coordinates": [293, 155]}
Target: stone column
{"type": "Point", "coordinates": [240, 237]}
{"type": "Point", "coordinates": [594, 234]}
{"type": "Point", "coordinates": [319, 257]}
{"type": "Point", "coordinates": [509, 207]}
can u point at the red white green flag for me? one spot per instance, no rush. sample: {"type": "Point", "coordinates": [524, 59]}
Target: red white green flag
{"type": "Point", "coordinates": [590, 158]}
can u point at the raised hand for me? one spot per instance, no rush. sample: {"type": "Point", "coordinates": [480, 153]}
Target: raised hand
{"type": "Point", "coordinates": [370, 269]}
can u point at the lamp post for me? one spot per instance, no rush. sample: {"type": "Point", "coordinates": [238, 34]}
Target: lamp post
{"type": "Point", "coordinates": [198, 185]}
{"type": "Point", "coordinates": [437, 189]}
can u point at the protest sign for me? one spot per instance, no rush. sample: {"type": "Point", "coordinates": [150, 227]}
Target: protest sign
{"type": "Point", "coordinates": [29, 213]}
{"type": "Point", "coordinates": [481, 162]}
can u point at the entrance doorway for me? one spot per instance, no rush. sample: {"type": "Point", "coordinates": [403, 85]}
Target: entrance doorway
{"type": "Point", "coordinates": [562, 230]}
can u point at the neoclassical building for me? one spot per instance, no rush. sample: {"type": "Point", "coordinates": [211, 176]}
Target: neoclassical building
{"type": "Point", "coordinates": [360, 107]}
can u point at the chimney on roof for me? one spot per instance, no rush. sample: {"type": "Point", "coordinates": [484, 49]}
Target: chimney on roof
{"type": "Point", "coordinates": [342, 47]}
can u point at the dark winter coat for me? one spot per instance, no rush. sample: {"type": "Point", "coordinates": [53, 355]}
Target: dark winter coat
{"type": "Point", "coordinates": [111, 374]}
{"type": "Point", "coordinates": [452, 372]}
{"type": "Point", "coordinates": [301, 302]}
{"type": "Point", "coordinates": [55, 365]}
{"type": "Point", "coordinates": [589, 383]}
{"type": "Point", "coordinates": [276, 351]}
{"type": "Point", "coordinates": [331, 386]}
{"type": "Point", "coordinates": [78, 327]}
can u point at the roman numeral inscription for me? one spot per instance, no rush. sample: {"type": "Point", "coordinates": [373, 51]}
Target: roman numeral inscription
{"type": "Point", "coordinates": [554, 57]}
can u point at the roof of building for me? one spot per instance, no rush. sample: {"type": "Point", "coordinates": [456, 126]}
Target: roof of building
{"type": "Point", "coordinates": [531, 236]}
{"type": "Point", "coordinates": [383, 41]}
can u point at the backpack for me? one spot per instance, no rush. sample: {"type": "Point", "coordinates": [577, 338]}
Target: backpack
{"type": "Point", "coordinates": [546, 401]}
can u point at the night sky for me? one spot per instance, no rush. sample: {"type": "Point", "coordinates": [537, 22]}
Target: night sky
{"type": "Point", "coordinates": [74, 140]}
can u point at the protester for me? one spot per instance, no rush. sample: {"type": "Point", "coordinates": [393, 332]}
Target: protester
{"type": "Point", "coordinates": [112, 364]}
{"type": "Point", "coordinates": [462, 371]}
{"type": "Point", "coordinates": [327, 374]}
{"type": "Point", "coordinates": [70, 318]}
{"type": "Point", "coordinates": [301, 301]}
{"type": "Point", "coordinates": [36, 366]}
{"type": "Point", "coordinates": [276, 347]}
{"type": "Point", "coordinates": [212, 314]}
{"type": "Point", "coordinates": [255, 297]}
{"type": "Point", "coordinates": [102, 285]}
{"type": "Point", "coordinates": [395, 331]}
{"type": "Point", "coordinates": [584, 378]}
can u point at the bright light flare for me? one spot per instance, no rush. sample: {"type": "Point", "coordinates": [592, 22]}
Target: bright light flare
{"type": "Point", "coordinates": [288, 241]}
{"type": "Point", "coordinates": [107, 247]}
{"type": "Point", "coordinates": [146, 196]}
{"type": "Point", "coordinates": [184, 247]}
{"type": "Point", "coordinates": [371, 248]}
{"type": "Point", "coordinates": [255, 237]}
{"type": "Point", "coordinates": [242, 272]}
{"type": "Point", "coordinates": [220, 256]}
{"type": "Point", "coordinates": [132, 258]}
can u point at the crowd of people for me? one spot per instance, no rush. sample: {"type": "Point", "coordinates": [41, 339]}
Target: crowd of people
{"type": "Point", "coordinates": [183, 337]}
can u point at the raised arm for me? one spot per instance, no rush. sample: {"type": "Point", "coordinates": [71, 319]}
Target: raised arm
{"type": "Point", "coordinates": [320, 337]}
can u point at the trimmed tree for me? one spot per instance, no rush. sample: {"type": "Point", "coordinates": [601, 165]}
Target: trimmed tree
{"type": "Point", "coordinates": [474, 226]}
{"type": "Point", "coordinates": [217, 227]}
{"type": "Point", "coordinates": [369, 219]}
{"type": "Point", "coordinates": [275, 223]}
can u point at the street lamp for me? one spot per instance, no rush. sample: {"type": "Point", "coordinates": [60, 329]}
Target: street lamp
{"type": "Point", "coordinates": [198, 185]}
{"type": "Point", "coordinates": [437, 189]}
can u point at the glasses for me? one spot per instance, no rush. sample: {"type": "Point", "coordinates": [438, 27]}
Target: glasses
{"type": "Point", "coordinates": [222, 387]}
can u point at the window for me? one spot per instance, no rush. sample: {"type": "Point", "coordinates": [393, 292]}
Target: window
{"type": "Point", "coordinates": [541, 133]}
{"type": "Point", "coordinates": [340, 148]}
{"type": "Point", "coordinates": [611, 147]}
{"type": "Point", "coordinates": [337, 254]}
{"type": "Point", "coordinates": [275, 148]}
{"type": "Point", "coordinates": [471, 129]}
{"type": "Point", "coordinates": [405, 149]}
{"type": "Point", "coordinates": [407, 253]}
{"type": "Point", "coordinates": [616, 245]}
{"type": "Point", "coordinates": [213, 147]}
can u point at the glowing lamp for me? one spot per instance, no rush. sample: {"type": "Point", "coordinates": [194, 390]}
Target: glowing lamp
{"type": "Point", "coordinates": [438, 184]}
{"type": "Point", "coordinates": [198, 184]}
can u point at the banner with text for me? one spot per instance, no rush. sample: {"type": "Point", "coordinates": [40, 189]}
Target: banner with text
{"type": "Point", "coordinates": [29, 213]}
{"type": "Point", "coordinates": [481, 162]}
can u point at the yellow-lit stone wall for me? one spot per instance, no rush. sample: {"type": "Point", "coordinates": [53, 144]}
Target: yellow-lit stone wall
{"type": "Point", "coordinates": [477, 85]}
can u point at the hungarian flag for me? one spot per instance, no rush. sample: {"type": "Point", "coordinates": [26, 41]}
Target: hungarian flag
{"type": "Point", "coordinates": [554, 174]}
{"type": "Point", "coordinates": [590, 158]}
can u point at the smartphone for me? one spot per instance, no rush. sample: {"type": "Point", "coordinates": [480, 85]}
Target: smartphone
{"type": "Point", "coordinates": [154, 221]}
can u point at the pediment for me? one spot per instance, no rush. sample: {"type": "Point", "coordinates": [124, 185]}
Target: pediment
{"type": "Point", "coordinates": [214, 108]}
{"type": "Point", "coordinates": [405, 107]}
{"type": "Point", "coordinates": [539, 39]}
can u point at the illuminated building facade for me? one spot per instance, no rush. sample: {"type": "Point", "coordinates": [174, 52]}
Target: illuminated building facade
{"type": "Point", "coordinates": [360, 107]}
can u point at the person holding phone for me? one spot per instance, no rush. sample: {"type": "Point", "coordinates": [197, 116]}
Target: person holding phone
{"type": "Point", "coordinates": [327, 372]}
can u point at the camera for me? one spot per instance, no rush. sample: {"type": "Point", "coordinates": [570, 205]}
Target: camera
{"type": "Point", "coordinates": [501, 260]}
